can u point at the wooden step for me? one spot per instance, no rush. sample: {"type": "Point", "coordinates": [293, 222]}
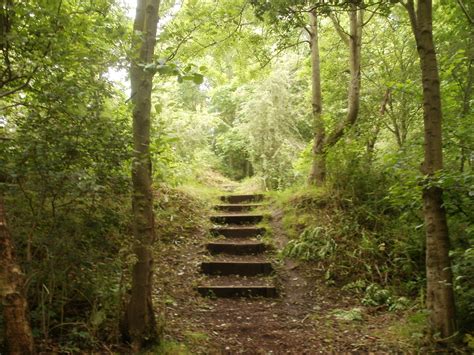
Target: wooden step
{"type": "Point", "coordinates": [242, 198]}
{"type": "Point", "coordinates": [237, 218]}
{"type": "Point", "coordinates": [229, 207]}
{"type": "Point", "coordinates": [238, 291]}
{"type": "Point", "coordinates": [238, 231]}
{"type": "Point", "coordinates": [243, 268]}
{"type": "Point", "coordinates": [236, 248]}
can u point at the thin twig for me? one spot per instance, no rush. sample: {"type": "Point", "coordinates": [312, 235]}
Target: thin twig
{"type": "Point", "coordinates": [280, 50]}
{"type": "Point", "coordinates": [463, 8]}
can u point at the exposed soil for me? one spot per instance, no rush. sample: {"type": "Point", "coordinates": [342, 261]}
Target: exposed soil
{"type": "Point", "coordinates": [300, 321]}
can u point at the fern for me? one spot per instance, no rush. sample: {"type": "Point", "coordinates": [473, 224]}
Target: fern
{"type": "Point", "coordinates": [311, 244]}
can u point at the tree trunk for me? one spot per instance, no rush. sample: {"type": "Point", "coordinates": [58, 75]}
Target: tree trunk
{"type": "Point", "coordinates": [15, 307]}
{"type": "Point", "coordinates": [353, 102]}
{"type": "Point", "coordinates": [440, 296]}
{"type": "Point", "coordinates": [322, 141]}
{"type": "Point", "coordinates": [140, 319]}
{"type": "Point", "coordinates": [466, 99]}
{"type": "Point", "coordinates": [318, 168]}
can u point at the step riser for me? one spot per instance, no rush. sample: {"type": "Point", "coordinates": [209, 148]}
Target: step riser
{"type": "Point", "coordinates": [230, 292]}
{"type": "Point", "coordinates": [242, 269]}
{"type": "Point", "coordinates": [236, 249]}
{"type": "Point", "coordinates": [238, 233]}
{"type": "Point", "coordinates": [241, 198]}
{"type": "Point", "coordinates": [234, 208]}
{"type": "Point", "coordinates": [236, 219]}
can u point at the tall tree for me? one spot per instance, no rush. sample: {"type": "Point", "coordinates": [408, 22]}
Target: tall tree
{"type": "Point", "coordinates": [140, 319]}
{"type": "Point", "coordinates": [292, 15]}
{"type": "Point", "coordinates": [322, 141]}
{"type": "Point", "coordinates": [440, 296]}
{"type": "Point", "coordinates": [318, 169]}
{"type": "Point", "coordinates": [18, 333]}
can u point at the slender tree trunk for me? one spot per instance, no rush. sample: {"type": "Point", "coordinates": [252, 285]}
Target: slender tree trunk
{"type": "Point", "coordinates": [371, 141]}
{"type": "Point", "coordinates": [440, 296]}
{"type": "Point", "coordinates": [353, 103]}
{"type": "Point", "coordinates": [15, 307]}
{"type": "Point", "coordinates": [466, 99]}
{"type": "Point", "coordinates": [140, 317]}
{"type": "Point", "coordinates": [318, 168]}
{"type": "Point", "coordinates": [322, 141]}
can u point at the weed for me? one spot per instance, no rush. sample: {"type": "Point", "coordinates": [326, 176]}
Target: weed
{"type": "Point", "coordinates": [168, 347]}
{"type": "Point", "coordinates": [196, 338]}
{"type": "Point", "coordinates": [409, 332]}
{"type": "Point", "coordinates": [469, 340]}
{"type": "Point", "coordinates": [354, 314]}
{"type": "Point", "coordinates": [357, 286]}
{"type": "Point", "coordinates": [312, 244]}
{"type": "Point", "coordinates": [378, 296]}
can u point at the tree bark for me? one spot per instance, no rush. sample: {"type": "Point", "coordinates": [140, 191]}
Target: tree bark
{"type": "Point", "coordinates": [318, 168]}
{"type": "Point", "coordinates": [18, 334]}
{"type": "Point", "coordinates": [140, 319]}
{"type": "Point", "coordinates": [440, 295]}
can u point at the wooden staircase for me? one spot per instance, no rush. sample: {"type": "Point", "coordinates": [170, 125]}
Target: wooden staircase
{"type": "Point", "coordinates": [239, 267]}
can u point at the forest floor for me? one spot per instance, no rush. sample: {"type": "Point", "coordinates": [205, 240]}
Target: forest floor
{"type": "Point", "coordinates": [308, 317]}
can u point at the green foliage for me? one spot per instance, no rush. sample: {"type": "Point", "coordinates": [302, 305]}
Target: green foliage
{"type": "Point", "coordinates": [463, 263]}
{"type": "Point", "coordinates": [66, 164]}
{"type": "Point", "coordinates": [187, 73]}
{"type": "Point", "coordinates": [267, 122]}
{"type": "Point", "coordinates": [232, 147]}
{"type": "Point", "coordinates": [354, 314]}
{"type": "Point", "coordinates": [181, 134]}
{"type": "Point", "coordinates": [167, 347]}
{"type": "Point", "coordinates": [79, 255]}
{"type": "Point", "coordinates": [45, 39]}
{"type": "Point", "coordinates": [355, 237]}
{"type": "Point", "coordinates": [469, 340]}
{"type": "Point", "coordinates": [377, 296]}
{"type": "Point", "coordinates": [312, 244]}
{"type": "Point", "coordinates": [178, 213]}
{"type": "Point", "coordinates": [412, 330]}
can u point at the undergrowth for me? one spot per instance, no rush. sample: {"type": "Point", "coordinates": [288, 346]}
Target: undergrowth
{"type": "Point", "coordinates": [350, 242]}
{"type": "Point", "coordinates": [80, 269]}
{"type": "Point", "coordinates": [369, 240]}
{"type": "Point", "coordinates": [181, 211]}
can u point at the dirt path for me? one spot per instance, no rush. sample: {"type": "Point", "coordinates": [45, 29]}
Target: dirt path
{"type": "Point", "coordinates": [305, 319]}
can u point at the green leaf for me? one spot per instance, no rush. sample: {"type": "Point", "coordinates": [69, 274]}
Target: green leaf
{"type": "Point", "coordinates": [158, 108]}
{"type": "Point", "coordinates": [150, 67]}
{"type": "Point", "coordinates": [198, 78]}
{"type": "Point", "coordinates": [188, 77]}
